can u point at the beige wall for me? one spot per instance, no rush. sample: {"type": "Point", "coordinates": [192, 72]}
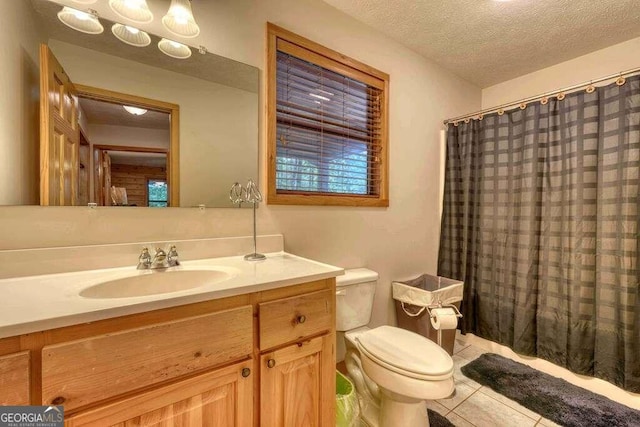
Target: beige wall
{"type": "Point", "coordinates": [211, 115]}
{"type": "Point", "coordinates": [398, 241]}
{"type": "Point", "coordinates": [19, 86]}
{"type": "Point", "coordinates": [601, 63]}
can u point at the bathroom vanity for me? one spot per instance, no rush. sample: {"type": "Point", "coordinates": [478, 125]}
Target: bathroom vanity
{"type": "Point", "coordinates": [255, 349]}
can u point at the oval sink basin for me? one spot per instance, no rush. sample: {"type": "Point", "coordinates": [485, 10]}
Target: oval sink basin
{"type": "Point", "coordinates": [154, 283]}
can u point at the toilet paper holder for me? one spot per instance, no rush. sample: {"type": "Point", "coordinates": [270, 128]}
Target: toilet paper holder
{"type": "Point", "coordinates": [439, 305]}
{"type": "Point", "coordinates": [432, 316]}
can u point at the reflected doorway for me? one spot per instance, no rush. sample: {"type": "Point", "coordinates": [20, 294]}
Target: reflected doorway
{"type": "Point", "coordinates": [123, 176]}
{"type": "Point", "coordinates": [130, 145]}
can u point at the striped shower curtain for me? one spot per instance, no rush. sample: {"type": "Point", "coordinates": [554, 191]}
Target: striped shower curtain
{"type": "Point", "coordinates": [540, 220]}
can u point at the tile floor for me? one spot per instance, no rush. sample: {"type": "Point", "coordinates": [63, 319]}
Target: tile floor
{"type": "Point", "coordinates": [476, 405]}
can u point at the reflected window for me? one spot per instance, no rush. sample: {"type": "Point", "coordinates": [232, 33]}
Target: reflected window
{"type": "Point", "coordinates": [157, 191]}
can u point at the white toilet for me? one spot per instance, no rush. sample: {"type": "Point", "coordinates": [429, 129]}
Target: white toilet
{"type": "Point", "coordinates": [394, 370]}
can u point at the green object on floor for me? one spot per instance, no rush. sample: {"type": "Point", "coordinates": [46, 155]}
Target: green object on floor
{"type": "Point", "coordinates": [347, 406]}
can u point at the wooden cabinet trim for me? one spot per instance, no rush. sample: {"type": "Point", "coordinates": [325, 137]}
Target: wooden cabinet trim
{"type": "Point", "coordinates": [15, 379]}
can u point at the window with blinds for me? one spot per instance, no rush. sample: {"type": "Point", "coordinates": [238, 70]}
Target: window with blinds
{"type": "Point", "coordinates": [328, 126]}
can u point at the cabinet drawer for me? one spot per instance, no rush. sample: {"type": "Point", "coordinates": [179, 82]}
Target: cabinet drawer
{"type": "Point", "coordinates": [14, 379]}
{"type": "Point", "coordinates": [81, 372]}
{"type": "Point", "coordinates": [286, 320]}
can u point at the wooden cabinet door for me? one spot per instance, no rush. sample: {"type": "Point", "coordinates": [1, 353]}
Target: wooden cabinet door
{"type": "Point", "coordinates": [297, 385]}
{"type": "Point", "coordinates": [14, 379]}
{"type": "Point", "coordinates": [222, 398]}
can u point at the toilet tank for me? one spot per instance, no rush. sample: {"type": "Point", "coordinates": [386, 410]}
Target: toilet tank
{"type": "Point", "coordinates": [354, 298]}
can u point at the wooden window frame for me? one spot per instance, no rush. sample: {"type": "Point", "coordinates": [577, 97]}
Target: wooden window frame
{"type": "Point", "coordinates": [326, 58]}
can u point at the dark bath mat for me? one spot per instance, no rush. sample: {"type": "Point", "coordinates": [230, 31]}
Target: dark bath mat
{"type": "Point", "coordinates": [437, 420]}
{"type": "Point", "coordinates": [551, 397]}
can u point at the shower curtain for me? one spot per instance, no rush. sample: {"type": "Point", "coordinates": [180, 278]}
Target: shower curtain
{"type": "Point", "coordinates": [540, 220]}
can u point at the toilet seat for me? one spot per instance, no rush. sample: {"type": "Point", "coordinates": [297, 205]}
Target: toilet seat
{"type": "Point", "coordinates": [406, 353]}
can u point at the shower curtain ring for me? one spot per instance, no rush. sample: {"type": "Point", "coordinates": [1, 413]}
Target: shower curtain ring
{"type": "Point", "coordinates": [621, 80]}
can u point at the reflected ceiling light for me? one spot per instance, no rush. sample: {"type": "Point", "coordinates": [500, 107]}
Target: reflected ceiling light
{"type": "Point", "coordinates": [324, 98]}
{"type": "Point", "coordinates": [86, 22]}
{"type": "Point", "coordinates": [179, 19]}
{"type": "Point", "coordinates": [136, 111]}
{"type": "Point", "coordinates": [174, 49]}
{"type": "Point", "coordinates": [135, 10]}
{"type": "Point", "coordinates": [131, 35]}
{"type": "Point", "coordinates": [85, 1]}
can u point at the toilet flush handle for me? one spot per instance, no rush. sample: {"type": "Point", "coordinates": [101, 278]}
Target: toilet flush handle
{"type": "Point", "coordinates": [341, 292]}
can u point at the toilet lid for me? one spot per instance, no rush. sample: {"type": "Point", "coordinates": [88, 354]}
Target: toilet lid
{"type": "Point", "coordinates": [406, 352]}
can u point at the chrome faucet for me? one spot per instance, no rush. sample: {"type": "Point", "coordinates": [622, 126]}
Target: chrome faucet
{"type": "Point", "coordinates": [144, 260]}
{"type": "Point", "coordinates": [160, 260]}
{"type": "Point", "coordinates": [172, 256]}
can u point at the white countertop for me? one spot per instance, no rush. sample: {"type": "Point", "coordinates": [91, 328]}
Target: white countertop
{"type": "Point", "coordinates": [37, 303]}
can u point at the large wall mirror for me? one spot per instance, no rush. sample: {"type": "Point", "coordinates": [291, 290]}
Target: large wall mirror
{"type": "Point", "coordinates": [122, 125]}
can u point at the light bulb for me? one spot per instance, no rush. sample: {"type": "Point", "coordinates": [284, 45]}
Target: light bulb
{"type": "Point", "coordinates": [134, 10]}
{"type": "Point", "coordinates": [174, 49]}
{"type": "Point", "coordinates": [131, 35]}
{"type": "Point", "coordinates": [133, 4]}
{"type": "Point", "coordinates": [83, 16]}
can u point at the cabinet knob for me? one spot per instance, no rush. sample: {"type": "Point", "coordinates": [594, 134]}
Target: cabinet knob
{"type": "Point", "coordinates": [301, 319]}
{"type": "Point", "coordinates": [271, 363]}
{"type": "Point", "coordinates": [246, 372]}
{"type": "Point", "coordinates": [58, 400]}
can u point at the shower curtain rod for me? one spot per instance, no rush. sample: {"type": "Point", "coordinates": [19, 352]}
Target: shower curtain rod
{"type": "Point", "coordinates": [543, 95]}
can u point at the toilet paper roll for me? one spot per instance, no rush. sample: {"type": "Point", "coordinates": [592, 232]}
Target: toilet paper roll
{"type": "Point", "coordinates": [444, 318]}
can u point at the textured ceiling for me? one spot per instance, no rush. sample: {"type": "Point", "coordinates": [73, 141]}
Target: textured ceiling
{"type": "Point", "coordinates": [106, 113]}
{"type": "Point", "coordinates": [488, 41]}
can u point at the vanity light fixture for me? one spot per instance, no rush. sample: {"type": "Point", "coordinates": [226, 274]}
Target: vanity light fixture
{"type": "Point", "coordinates": [134, 10]}
{"type": "Point", "coordinates": [179, 19]}
{"type": "Point", "coordinates": [85, 1]}
{"type": "Point", "coordinates": [131, 35]}
{"type": "Point", "coordinates": [136, 111]}
{"type": "Point", "coordinates": [85, 22]}
{"type": "Point", "coordinates": [174, 49]}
